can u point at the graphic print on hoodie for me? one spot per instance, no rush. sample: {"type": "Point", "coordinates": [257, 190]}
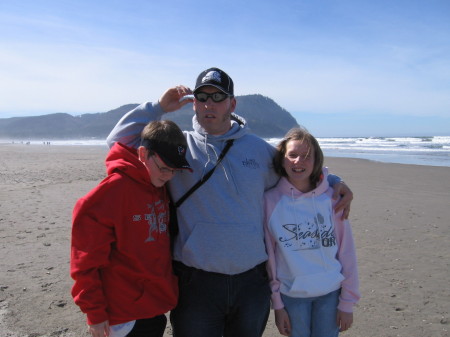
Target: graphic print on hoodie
{"type": "Point", "coordinates": [312, 227]}
{"type": "Point", "coordinates": [309, 234]}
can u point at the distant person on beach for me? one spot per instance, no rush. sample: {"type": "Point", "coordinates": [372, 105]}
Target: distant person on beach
{"type": "Point", "coordinates": [312, 261]}
{"type": "Point", "coordinates": [120, 254]}
{"type": "Point", "coordinates": [219, 253]}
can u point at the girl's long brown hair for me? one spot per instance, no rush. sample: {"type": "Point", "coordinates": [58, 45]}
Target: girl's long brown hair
{"type": "Point", "coordinates": [302, 134]}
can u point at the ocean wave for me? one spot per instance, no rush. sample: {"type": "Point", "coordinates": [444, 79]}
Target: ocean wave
{"type": "Point", "coordinates": [434, 146]}
{"type": "Point", "coordinates": [413, 150]}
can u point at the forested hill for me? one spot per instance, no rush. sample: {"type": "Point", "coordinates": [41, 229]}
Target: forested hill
{"type": "Point", "coordinates": [265, 118]}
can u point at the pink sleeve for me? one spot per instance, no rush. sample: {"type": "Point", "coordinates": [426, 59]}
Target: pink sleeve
{"type": "Point", "coordinates": [271, 247]}
{"type": "Point", "coordinates": [347, 257]}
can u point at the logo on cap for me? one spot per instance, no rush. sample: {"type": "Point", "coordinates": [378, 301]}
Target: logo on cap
{"type": "Point", "coordinates": [212, 76]}
{"type": "Point", "coordinates": [181, 150]}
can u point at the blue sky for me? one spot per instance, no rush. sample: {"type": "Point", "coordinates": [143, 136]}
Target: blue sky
{"type": "Point", "coordinates": [341, 67]}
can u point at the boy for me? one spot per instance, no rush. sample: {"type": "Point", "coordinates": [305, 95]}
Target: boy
{"type": "Point", "coordinates": [120, 253]}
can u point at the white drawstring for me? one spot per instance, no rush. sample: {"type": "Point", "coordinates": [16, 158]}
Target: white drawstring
{"type": "Point", "coordinates": [318, 228]}
{"type": "Point", "coordinates": [217, 158]}
{"type": "Point", "coordinates": [297, 223]}
{"type": "Point", "coordinates": [207, 154]}
{"type": "Point", "coordinates": [316, 221]}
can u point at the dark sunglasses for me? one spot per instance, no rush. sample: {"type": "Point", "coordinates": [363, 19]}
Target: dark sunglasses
{"type": "Point", "coordinates": [216, 96]}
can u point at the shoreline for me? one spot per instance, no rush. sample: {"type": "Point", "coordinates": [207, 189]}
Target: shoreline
{"type": "Point", "coordinates": [420, 159]}
{"type": "Point", "coordinates": [399, 218]}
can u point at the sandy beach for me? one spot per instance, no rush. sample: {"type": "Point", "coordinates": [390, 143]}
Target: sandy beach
{"type": "Point", "coordinates": [400, 219]}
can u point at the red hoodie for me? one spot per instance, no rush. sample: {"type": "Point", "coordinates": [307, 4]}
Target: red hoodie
{"type": "Point", "coordinates": [120, 254]}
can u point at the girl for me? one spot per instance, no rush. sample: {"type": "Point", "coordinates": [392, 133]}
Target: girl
{"type": "Point", "coordinates": [312, 262]}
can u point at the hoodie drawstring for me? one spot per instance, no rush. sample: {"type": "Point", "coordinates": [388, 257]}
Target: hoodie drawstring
{"type": "Point", "coordinates": [316, 221]}
{"type": "Point", "coordinates": [319, 230]}
{"type": "Point", "coordinates": [228, 175]}
{"type": "Point", "coordinates": [207, 153]}
{"type": "Point", "coordinates": [297, 223]}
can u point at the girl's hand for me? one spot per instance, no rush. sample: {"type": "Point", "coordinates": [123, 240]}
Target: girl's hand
{"type": "Point", "coordinates": [282, 321]}
{"type": "Point", "coordinates": [344, 320]}
{"type": "Point", "coordinates": [100, 329]}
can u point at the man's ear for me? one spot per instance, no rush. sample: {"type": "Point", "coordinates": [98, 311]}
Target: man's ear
{"type": "Point", "coordinates": [142, 153]}
{"type": "Point", "coordinates": [233, 104]}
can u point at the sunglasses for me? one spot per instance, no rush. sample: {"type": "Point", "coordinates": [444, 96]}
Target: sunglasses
{"type": "Point", "coordinates": [216, 96]}
{"type": "Point", "coordinates": [163, 170]}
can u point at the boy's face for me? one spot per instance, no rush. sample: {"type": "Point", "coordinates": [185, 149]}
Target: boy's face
{"type": "Point", "coordinates": [158, 171]}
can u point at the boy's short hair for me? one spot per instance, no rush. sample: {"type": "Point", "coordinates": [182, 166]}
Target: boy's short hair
{"type": "Point", "coordinates": [166, 139]}
{"type": "Point", "coordinates": [302, 134]}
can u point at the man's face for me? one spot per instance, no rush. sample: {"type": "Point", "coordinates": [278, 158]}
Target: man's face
{"type": "Point", "coordinates": [214, 117]}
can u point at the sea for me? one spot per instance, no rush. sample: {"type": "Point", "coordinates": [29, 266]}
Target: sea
{"type": "Point", "coordinates": [431, 151]}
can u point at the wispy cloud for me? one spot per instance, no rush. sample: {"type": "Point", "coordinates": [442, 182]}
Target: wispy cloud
{"type": "Point", "coordinates": [320, 57]}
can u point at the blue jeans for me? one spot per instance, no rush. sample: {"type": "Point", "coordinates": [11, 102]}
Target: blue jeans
{"type": "Point", "coordinates": [215, 305]}
{"type": "Point", "coordinates": [313, 316]}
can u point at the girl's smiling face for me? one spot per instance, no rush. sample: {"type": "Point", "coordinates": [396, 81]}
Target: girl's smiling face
{"type": "Point", "coordinates": [298, 163]}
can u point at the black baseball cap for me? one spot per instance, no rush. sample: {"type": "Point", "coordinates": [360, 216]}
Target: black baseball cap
{"type": "Point", "coordinates": [217, 78]}
{"type": "Point", "coordinates": [174, 156]}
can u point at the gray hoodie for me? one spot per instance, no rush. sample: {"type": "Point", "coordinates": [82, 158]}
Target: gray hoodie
{"type": "Point", "coordinates": [221, 223]}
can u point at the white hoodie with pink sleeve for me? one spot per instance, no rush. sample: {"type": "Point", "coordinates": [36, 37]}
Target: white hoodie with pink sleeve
{"type": "Point", "coordinates": [311, 250]}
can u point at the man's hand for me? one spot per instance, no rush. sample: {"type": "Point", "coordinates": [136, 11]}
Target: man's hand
{"type": "Point", "coordinates": [100, 329]}
{"type": "Point", "coordinates": [282, 321]}
{"type": "Point", "coordinates": [345, 196]}
{"type": "Point", "coordinates": [344, 320]}
{"type": "Point", "coordinates": [170, 100]}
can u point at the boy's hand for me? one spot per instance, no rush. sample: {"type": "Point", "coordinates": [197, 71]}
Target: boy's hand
{"type": "Point", "coordinates": [344, 320]}
{"type": "Point", "coordinates": [345, 196]}
{"type": "Point", "coordinates": [282, 321]}
{"type": "Point", "coordinates": [100, 329]}
{"type": "Point", "coordinates": [170, 100]}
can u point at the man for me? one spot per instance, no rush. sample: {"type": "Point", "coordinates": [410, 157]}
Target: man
{"type": "Point", "coordinates": [219, 252]}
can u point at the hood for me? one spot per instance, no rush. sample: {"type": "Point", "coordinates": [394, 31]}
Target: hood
{"type": "Point", "coordinates": [238, 129]}
{"type": "Point", "coordinates": [289, 189]}
{"type": "Point", "coordinates": [125, 159]}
